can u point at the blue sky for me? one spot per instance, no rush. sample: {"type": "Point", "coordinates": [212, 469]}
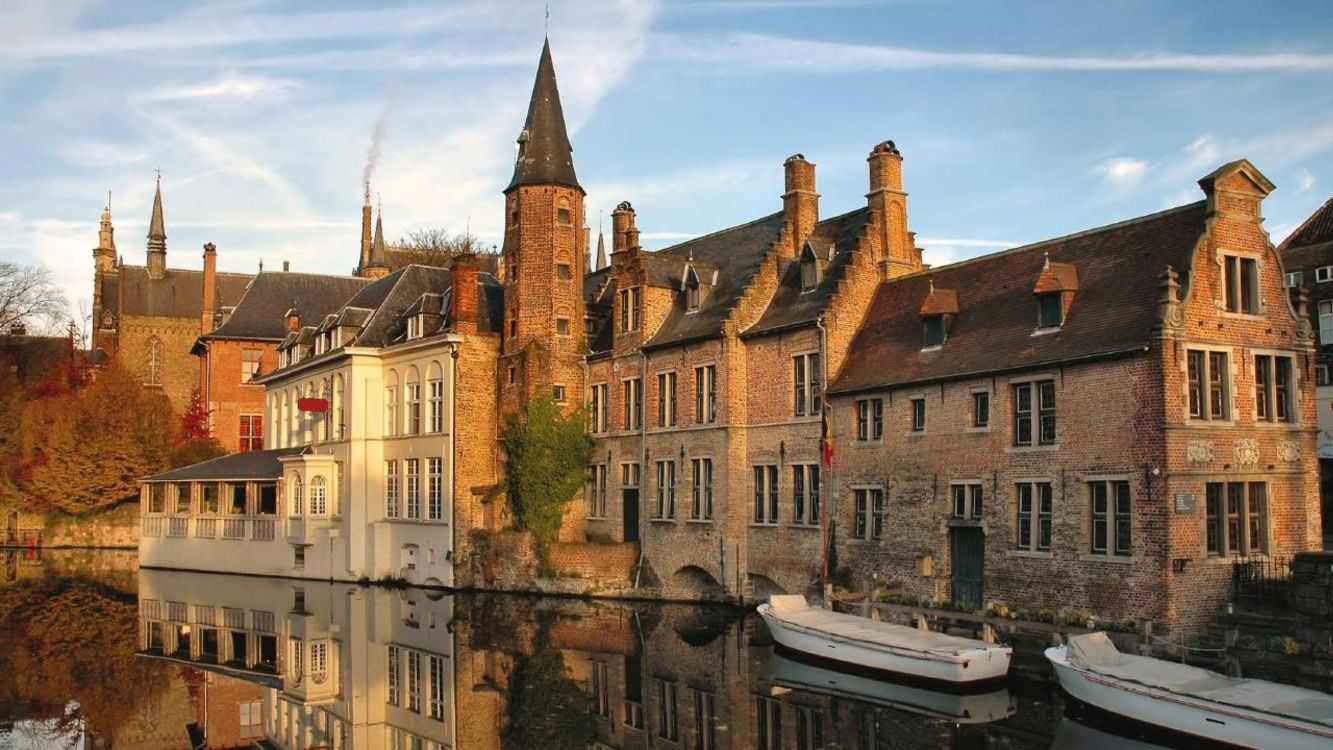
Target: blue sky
{"type": "Point", "coordinates": [1017, 121]}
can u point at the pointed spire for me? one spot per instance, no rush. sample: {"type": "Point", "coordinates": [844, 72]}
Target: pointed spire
{"type": "Point", "coordinates": [379, 256]}
{"type": "Point", "coordinates": [157, 230]}
{"type": "Point", "coordinates": [544, 154]}
{"type": "Point", "coordinates": [601, 249]}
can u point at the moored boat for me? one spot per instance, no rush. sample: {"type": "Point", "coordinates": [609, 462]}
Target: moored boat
{"type": "Point", "coordinates": [880, 645]}
{"type": "Point", "coordinates": [1180, 698]}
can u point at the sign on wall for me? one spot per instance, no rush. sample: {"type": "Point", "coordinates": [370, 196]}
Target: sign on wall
{"type": "Point", "coordinates": [1185, 502]}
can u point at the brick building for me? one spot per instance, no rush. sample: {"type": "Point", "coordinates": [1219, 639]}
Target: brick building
{"type": "Point", "coordinates": [1098, 423]}
{"type": "Point", "coordinates": [1307, 257]}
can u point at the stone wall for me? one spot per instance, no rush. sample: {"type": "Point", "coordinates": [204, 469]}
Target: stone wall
{"type": "Point", "coordinates": [116, 527]}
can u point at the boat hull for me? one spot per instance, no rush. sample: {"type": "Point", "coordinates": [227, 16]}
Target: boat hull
{"type": "Point", "coordinates": [1232, 725]}
{"type": "Point", "coordinates": [978, 666]}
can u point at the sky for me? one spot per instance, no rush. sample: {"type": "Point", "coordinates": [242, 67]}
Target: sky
{"type": "Point", "coordinates": [1018, 121]}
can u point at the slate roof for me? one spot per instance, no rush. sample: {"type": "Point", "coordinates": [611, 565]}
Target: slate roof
{"type": "Point", "coordinates": [1113, 312]}
{"type": "Point", "coordinates": [545, 156]}
{"type": "Point", "coordinates": [244, 465]}
{"type": "Point", "coordinates": [1311, 244]}
{"type": "Point", "coordinates": [737, 254]}
{"type": "Point", "coordinates": [178, 294]}
{"type": "Point", "coordinates": [790, 307]}
{"type": "Point", "coordinates": [261, 313]}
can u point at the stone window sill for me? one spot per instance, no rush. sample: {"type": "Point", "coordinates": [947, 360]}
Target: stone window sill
{"type": "Point", "coordinates": [700, 521]}
{"type": "Point", "coordinates": [1032, 448]}
{"type": "Point", "coordinates": [1042, 555]}
{"type": "Point", "coordinates": [1105, 558]}
{"type": "Point", "coordinates": [662, 520]}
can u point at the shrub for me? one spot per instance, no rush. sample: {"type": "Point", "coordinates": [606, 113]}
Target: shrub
{"type": "Point", "coordinates": [546, 461]}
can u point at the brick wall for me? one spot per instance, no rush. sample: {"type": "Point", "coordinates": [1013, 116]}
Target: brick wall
{"type": "Point", "coordinates": [229, 398]}
{"type": "Point", "coordinates": [180, 369]}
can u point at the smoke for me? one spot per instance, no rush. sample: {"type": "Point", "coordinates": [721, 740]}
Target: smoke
{"type": "Point", "coordinates": [377, 137]}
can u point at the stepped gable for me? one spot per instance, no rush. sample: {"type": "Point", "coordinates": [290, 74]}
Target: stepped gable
{"type": "Point", "coordinates": [792, 307]}
{"type": "Point", "coordinates": [1113, 313]}
{"type": "Point", "coordinates": [736, 253]}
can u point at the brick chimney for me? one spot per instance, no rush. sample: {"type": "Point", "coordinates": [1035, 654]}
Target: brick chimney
{"type": "Point", "coordinates": [624, 233]}
{"type": "Point", "coordinates": [888, 209]}
{"type": "Point", "coordinates": [464, 293]}
{"type": "Point", "coordinates": [209, 309]}
{"type": "Point", "coordinates": [800, 202]}
{"type": "Point", "coordinates": [365, 231]}
{"type": "Point", "coordinates": [293, 320]}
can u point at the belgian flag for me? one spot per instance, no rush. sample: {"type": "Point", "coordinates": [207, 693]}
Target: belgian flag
{"type": "Point", "coordinates": [826, 438]}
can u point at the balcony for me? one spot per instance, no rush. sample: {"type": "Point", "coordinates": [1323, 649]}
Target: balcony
{"type": "Point", "coordinates": [206, 528]}
{"type": "Point", "coordinates": [233, 528]}
{"type": "Point", "coordinates": [263, 530]}
{"type": "Point", "coordinates": [178, 527]}
{"type": "Point", "coordinates": [150, 526]}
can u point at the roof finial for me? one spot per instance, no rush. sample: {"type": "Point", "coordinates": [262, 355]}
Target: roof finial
{"type": "Point", "coordinates": [1046, 262]}
{"type": "Point", "coordinates": [932, 285]}
{"type": "Point", "coordinates": [548, 19]}
{"type": "Point", "coordinates": [108, 200]}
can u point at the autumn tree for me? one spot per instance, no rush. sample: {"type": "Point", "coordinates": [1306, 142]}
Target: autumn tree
{"type": "Point", "coordinates": [546, 463]}
{"type": "Point", "coordinates": [29, 297]}
{"type": "Point", "coordinates": [194, 441]}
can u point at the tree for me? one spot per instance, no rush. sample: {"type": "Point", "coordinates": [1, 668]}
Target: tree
{"type": "Point", "coordinates": [546, 708]}
{"type": "Point", "coordinates": [194, 441]}
{"type": "Point", "coordinates": [432, 246]}
{"type": "Point", "coordinates": [28, 297]}
{"type": "Point", "coordinates": [546, 463]}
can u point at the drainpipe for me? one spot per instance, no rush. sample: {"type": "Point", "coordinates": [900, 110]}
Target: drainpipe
{"type": "Point", "coordinates": [643, 454]}
{"type": "Point", "coordinates": [452, 555]}
{"type": "Point", "coordinates": [826, 475]}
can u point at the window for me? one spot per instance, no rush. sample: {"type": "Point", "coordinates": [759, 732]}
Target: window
{"type": "Point", "coordinates": [629, 474]}
{"type": "Point", "coordinates": [1240, 280]}
{"type": "Point", "coordinates": [563, 272]}
{"type": "Point", "coordinates": [1321, 375]}
{"type": "Point", "coordinates": [558, 393]}
{"type": "Point", "coordinates": [1323, 274]}
{"type": "Point", "coordinates": [413, 473]}
{"type": "Point", "coordinates": [1326, 322]}
{"type": "Point", "coordinates": [599, 407]}
{"type": "Point", "coordinates": [1034, 516]}
{"type": "Point", "coordinates": [934, 331]}
{"type": "Point", "coordinates": [562, 326]}
{"type": "Point", "coordinates": [513, 326]}
{"type": "Point", "coordinates": [705, 721]}
{"type": "Point", "coordinates": [209, 503]}
{"type": "Point", "coordinates": [766, 494]}
{"type": "Point", "coordinates": [394, 676]}
{"type": "Point", "coordinates": [413, 681]}
{"type": "Point", "coordinates": [629, 309]}
{"type": "Point", "coordinates": [1272, 388]}
{"type": "Point", "coordinates": [414, 408]}
{"type": "Point", "coordinates": [807, 384]}
{"type": "Point", "coordinates": [210, 489]}
{"type": "Point", "coordinates": [768, 723]}
{"type": "Point", "coordinates": [805, 493]}
{"type": "Point", "coordinates": [597, 498]}
{"type": "Point", "coordinates": [631, 392]}
{"type": "Point", "coordinates": [705, 394]}
{"type": "Point", "coordinates": [918, 415]}
{"type": "Point", "coordinates": [809, 729]}
{"type": "Point", "coordinates": [666, 489]}
{"type": "Point", "coordinates": [1050, 310]}
{"type": "Point", "coordinates": [250, 364]}
{"type": "Point", "coordinates": [435, 394]}
{"type": "Point", "coordinates": [435, 696]}
{"type": "Point", "coordinates": [562, 215]}
{"type": "Point", "coordinates": [1110, 518]}
{"type": "Point", "coordinates": [967, 500]}
{"type": "Point", "coordinates": [298, 495]}
{"type": "Point", "coordinates": [1237, 518]}
{"type": "Point", "coordinates": [601, 690]}
{"type": "Point", "coordinates": [981, 409]}
{"type": "Point", "coordinates": [869, 513]}
{"type": "Point", "coordinates": [667, 727]}
{"type": "Point", "coordinates": [391, 507]}
{"type": "Point", "coordinates": [692, 295]}
{"type": "Point", "coordinates": [701, 489]}
{"type": "Point", "coordinates": [434, 489]}
{"type": "Point", "coordinates": [415, 325]}
{"type": "Point", "coordinates": [870, 419]}
{"type": "Point", "coordinates": [152, 371]}
{"type": "Point", "coordinates": [183, 498]}
{"type": "Point", "coordinates": [319, 497]}
{"type": "Point", "coordinates": [391, 410]}
{"type": "Point", "coordinates": [251, 719]}
{"type": "Point", "coordinates": [1295, 278]}
{"type": "Point", "coordinates": [1034, 413]}
{"type": "Point", "coordinates": [666, 399]}
{"type": "Point", "coordinates": [1209, 385]}
{"type": "Point", "coordinates": [809, 272]}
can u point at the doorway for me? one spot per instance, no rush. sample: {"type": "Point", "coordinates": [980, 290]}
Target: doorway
{"type": "Point", "coordinates": [630, 500]}
{"type": "Point", "coordinates": [968, 546]}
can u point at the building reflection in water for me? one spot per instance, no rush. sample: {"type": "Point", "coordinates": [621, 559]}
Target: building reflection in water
{"type": "Point", "coordinates": [300, 665]}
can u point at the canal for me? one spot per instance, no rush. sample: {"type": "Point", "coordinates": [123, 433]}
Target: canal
{"type": "Point", "coordinates": [97, 654]}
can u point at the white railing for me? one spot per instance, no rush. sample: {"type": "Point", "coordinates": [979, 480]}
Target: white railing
{"type": "Point", "coordinates": [233, 528]}
{"type": "Point", "coordinates": [178, 527]}
{"type": "Point", "coordinates": [150, 526]}
{"type": "Point", "coordinates": [263, 529]}
{"type": "Point", "coordinates": [206, 528]}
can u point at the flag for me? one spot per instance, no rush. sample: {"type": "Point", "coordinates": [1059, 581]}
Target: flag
{"type": "Point", "coordinates": [826, 438]}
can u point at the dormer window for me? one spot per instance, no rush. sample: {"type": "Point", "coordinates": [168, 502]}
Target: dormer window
{"type": "Point", "coordinates": [1050, 310]}
{"type": "Point", "coordinates": [415, 325]}
{"type": "Point", "coordinates": [934, 331]}
{"type": "Point", "coordinates": [692, 297]}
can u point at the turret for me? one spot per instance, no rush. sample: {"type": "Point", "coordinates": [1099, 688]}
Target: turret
{"type": "Point", "coordinates": [377, 265]}
{"type": "Point", "coordinates": [157, 237]}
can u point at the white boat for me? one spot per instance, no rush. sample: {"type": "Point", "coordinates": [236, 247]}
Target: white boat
{"type": "Point", "coordinates": [954, 707]}
{"type": "Point", "coordinates": [881, 645]}
{"type": "Point", "coordinates": [1181, 698]}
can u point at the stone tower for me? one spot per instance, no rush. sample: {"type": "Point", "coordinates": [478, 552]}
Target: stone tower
{"type": "Point", "coordinates": [377, 265]}
{"type": "Point", "coordinates": [104, 262]}
{"type": "Point", "coordinates": [544, 259]}
{"type": "Point", "coordinates": [157, 238]}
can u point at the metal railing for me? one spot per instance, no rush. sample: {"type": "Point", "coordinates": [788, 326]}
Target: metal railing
{"type": "Point", "coordinates": [1261, 581]}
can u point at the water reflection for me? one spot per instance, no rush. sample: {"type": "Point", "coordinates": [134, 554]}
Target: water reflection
{"type": "Point", "coordinates": [227, 662]}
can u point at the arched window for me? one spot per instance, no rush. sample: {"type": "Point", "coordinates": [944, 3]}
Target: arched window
{"type": "Point", "coordinates": [336, 410]}
{"type": "Point", "coordinates": [412, 403]}
{"type": "Point", "coordinates": [298, 494]}
{"type": "Point", "coordinates": [435, 398]}
{"type": "Point", "coordinates": [391, 404]}
{"type": "Point", "coordinates": [152, 366]}
{"type": "Point", "coordinates": [319, 496]}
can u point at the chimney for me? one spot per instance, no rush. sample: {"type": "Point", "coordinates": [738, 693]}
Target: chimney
{"type": "Point", "coordinates": [209, 308]}
{"type": "Point", "coordinates": [800, 202]}
{"type": "Point", "coordinates": [365, 231]}
{"type": "Point", "coordinates": [888, 209]}
{"type": "Point", "coordinates": [464, 293]}
{"type": "Point", "coordinates": [286, 266]}
{"type": "Point", "coordinates": [18, 329]}
{"type": "Point", "coordinates": [624, 234]}
{"type": "Point", "coordinates": [293, 320]}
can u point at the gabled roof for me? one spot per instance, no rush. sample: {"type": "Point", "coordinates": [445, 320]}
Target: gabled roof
{"type": "Point", "coordinates": [244, 465]}
{"type": "Point", "coordinates": [791, 306]}
{"type": "Point", "coordinates": [1113, 312]}
{"type": "Point", "coordinates": [544, 154]}
{"type": "Point", "coordinates": [261, 313]}
{"type": "Point", "coordinates": [1315, 230]}
{"type": "Point", "coordinates": [178, 294]}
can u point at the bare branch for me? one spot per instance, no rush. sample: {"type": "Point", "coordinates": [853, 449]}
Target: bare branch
{"type": "Point", "coordinates": [28, 297]}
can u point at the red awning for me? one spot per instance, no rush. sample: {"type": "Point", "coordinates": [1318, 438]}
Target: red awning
{"type": "Point", "coordinates": [312, 404]}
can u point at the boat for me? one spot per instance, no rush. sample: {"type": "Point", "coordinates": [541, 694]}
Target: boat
{"type": "Point", "coordinates": [918, 699]}
{"type": "Point", "coordinates": [922, 654]}
{"type": "Point", "coordinates": [1181, 698]}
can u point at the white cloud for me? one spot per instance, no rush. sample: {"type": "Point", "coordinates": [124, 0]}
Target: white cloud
{"type": "Point", "coordinates": [1203, 152]}
{"type": "Point", "coordinates": [1305, 181]}
{"type": "Point", "coordinates": [756, 51]}
{"type": "Point", "coordinates": [229, 86]}
{"type": "Point", "coordinates": [1122, 171]}
{"type": "Point", "coordinates": [92, 152]}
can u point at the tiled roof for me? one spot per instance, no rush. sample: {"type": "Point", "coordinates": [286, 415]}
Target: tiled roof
{"type": "Point", "coordinates": [545, 156]}
{"type": "Point", "coordinates": [244, 465]}
{"type": "Point", "coordinates": [261, 313]}
{"type": "Point", "coordinates": [1113, 312]}
{"type": "Point", "coordinates": [1311, 244]}
{"type": "Point", "coordinates": [178, 294]}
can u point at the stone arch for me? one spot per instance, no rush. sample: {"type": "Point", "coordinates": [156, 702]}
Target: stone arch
{"type": "Point", "coordinates": [298, 495]}
{"type": "Point", "coordinates": [693, 582]}
{"type": "Point", "coordinates": [319, 496]}
{"type": "Point", "coordinates": [434, 397]}
{"type": "Point", "coordinates": [411, 402]}
{"type": "Point", "coordinates": [762, 587]}
{"type": "Point", "coordinates": [391, 399]}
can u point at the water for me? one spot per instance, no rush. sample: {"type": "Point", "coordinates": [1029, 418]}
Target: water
{"type": "Point", "coordinates": [95, 655]}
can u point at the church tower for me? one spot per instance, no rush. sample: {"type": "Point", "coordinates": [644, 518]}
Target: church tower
{"type": "Point", "coordinates": [543, 337]}
{"type": "Point", "coordinates": [157, 238]}
{"type": "Point", "coordinates": [376, 265]}
{"type": "Point", "coordinates": [104, 263]}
